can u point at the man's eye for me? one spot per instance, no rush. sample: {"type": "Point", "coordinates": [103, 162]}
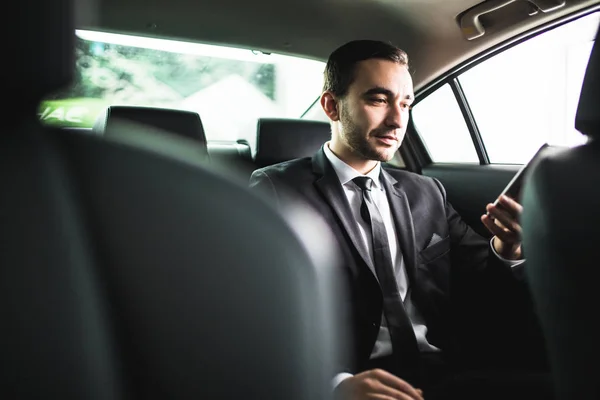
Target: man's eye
{"type": "Point", "coordinates": [406, 106]}
{"type": "Point", "coordinates": [378, 100]}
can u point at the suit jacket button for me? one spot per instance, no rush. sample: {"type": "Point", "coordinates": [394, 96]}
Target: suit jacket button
{"type": "Point", "coordinates": [374, 324]}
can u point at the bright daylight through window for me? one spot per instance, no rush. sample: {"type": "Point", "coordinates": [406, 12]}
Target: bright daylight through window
{"type": "Point", "coordinates": [230, 88]}
{"type": "Point", "coordinates": [520, 99]}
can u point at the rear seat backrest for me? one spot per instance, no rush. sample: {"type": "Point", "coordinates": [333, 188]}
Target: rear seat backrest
{"type": "Point", "coordinates": [280, 140]}
{"type": "Point", "coordinates": [236, 156]}
{"type": "Point", "coordinates": [230, 152]}
{"type": "Point", "coordinates": [182, 123]}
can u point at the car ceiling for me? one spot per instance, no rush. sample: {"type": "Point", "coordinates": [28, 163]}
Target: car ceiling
{"type": "Point", "coordinates": [427, 29]}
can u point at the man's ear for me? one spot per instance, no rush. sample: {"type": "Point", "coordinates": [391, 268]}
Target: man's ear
{"type": "Point", "coordinates": [330, 105]}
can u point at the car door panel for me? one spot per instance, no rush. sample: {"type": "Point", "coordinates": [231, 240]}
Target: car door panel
{"type": "Point", "coordinates": [471, 187]}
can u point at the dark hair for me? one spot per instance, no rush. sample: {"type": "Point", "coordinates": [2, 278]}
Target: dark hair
{"type": "Point", "coordinates": [339, 71]}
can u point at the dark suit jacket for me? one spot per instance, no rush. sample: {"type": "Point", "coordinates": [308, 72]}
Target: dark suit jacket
{"type": "Point", "coordinates": [461, 261]}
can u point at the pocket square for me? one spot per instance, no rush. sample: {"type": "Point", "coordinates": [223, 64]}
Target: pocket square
{"type": "Point", "coordinates": [434, 239]}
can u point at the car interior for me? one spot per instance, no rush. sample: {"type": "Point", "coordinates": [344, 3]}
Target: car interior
{"type": "Point", "coordinates": [132, 131]}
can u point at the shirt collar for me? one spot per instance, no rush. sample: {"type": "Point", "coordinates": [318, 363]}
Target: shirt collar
{"type": "Point", "coordinates": [346, 173]}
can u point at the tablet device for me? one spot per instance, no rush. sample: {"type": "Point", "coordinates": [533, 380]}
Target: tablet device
{"type": "Point", "coordinates": [514, 187]}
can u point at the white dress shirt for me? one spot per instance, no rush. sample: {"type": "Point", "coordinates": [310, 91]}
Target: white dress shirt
{"type": "Point", "coordinates": [345, 173]}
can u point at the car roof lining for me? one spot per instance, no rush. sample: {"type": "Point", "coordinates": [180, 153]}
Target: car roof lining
{"type": "Point", "coordinates": [427, 29]}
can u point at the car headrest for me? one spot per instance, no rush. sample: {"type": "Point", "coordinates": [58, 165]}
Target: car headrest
{"type": "Point", "coordinates": [42, 54]}
{"type": "Point", "coordinates": [587, 120]}
{"type": "Point", "coordinates": [183, 123]}
{"type": "Point", "coordinates": [280, 140]}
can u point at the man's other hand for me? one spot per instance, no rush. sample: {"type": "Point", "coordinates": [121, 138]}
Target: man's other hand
{"type": "Point", "coordinates": [376, 384]}
{"type": "Point", "coordinates": [503, 220]}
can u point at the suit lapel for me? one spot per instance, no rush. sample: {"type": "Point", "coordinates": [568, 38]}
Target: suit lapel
{"type": "Point", "coordinates": [403, 222]}
{"type": "Point", "coordinates": [329, 185]}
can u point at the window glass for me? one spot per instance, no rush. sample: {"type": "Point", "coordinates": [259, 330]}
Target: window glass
{"type": "Point", "coordinates": [442, 128]}
{"type": "Point", "coordinates": [230, 88]}
{"type": "Point", "coordinates": [528, 94]}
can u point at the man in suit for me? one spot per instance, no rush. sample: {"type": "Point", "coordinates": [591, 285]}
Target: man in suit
{"type": "Point", "coordinates": [403, 243]}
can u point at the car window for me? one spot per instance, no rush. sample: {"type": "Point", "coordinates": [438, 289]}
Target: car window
{"type": "Point", "coordinates": [440, 124]}
{"type": "Point", "coordinates": [230, 88]}
{"type": "Point", "coordinates": [522, 97]}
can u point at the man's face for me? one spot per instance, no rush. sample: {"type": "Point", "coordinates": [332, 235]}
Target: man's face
{"type": "Point", "coordinates": [374, 113]}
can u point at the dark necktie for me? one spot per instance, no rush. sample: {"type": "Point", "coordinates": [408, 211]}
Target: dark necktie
{"type": "Point", "coordinates": [404, 342]}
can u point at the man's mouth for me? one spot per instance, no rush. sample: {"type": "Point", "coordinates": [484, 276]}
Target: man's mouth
{"type": "Point", "coordinates": [388, 139]}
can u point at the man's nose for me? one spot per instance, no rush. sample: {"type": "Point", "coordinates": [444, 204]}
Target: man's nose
{"type": "Point", "coordinates": [396, 118]}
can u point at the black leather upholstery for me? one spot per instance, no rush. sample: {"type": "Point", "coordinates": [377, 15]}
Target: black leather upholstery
{"type": "Point", "coordinates": [127, 273]}
{"type": "Point", "coordinates": [236, 157]}
{"type": "Point", "coordinates": [281, 140]}
{"type": "Point", "coordinates": [39, 63]}
{"type": "Point", "coordinates": [230, 152]}
{"type": "Point", "coordinates": [183, 123]}
{"type": "Point", "coordinates": [561, 221]}
{"type": "Point", "coordinates": [587, 120]}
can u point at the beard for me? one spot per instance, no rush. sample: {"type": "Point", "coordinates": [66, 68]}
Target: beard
{"type": "Point", "coordinates": [358, 141]}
